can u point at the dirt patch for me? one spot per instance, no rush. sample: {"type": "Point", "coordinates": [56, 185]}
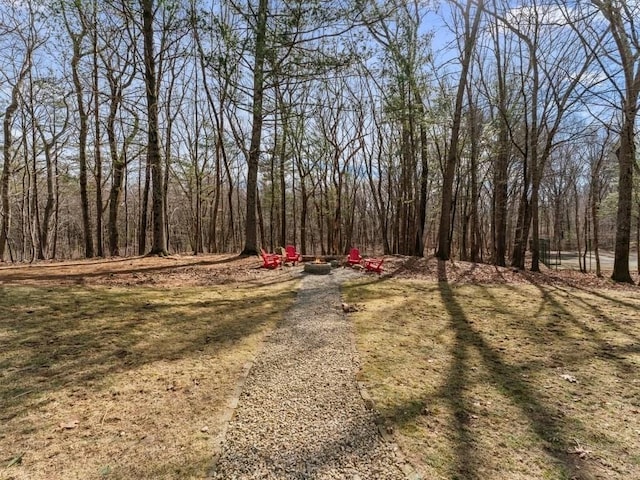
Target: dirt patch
{"type": "Point", "coordinates": [402, 267]}
{"type": "Point", "coordinates": [174, 270]}
{"type": "Point", "coordinates": [203, 270]}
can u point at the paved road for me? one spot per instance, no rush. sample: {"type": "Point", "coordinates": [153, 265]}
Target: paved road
{"type": "Point", "coordinates": [569, 260]}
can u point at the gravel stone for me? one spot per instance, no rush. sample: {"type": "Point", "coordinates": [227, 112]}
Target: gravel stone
{"type": "Point", "coordinates": [300, 414]}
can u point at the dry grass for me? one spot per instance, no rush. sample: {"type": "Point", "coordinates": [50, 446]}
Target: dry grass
{"type": "Point", "coordinates": [102, 381]}
{"type": "Point", "coordinates": [120, 369]}
{"type": "Point", "coordinates": [504, 381]}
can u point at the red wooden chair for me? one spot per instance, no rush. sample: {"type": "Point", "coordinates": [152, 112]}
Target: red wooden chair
{"type": "Point", "coordinates": [354, 257]}
{"type": "Point", "coordinates": [291, 255]}
{"type": "Point", "coordinates": [270, 260]}
{"type": "Point", "coordinates": [373, 264]}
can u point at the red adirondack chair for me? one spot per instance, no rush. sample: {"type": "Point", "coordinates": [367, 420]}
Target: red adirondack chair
{"type": "Point", "coordinates": [291, 255]}
{"type": "Point", "coordinates": [270, 260]}
{"type": "Point", "coordinates": [373, 264]}
{"type": "Point", "coordinates": [354, 257]}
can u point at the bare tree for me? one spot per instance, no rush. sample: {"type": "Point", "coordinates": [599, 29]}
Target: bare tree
{"type": "Point", "coordinates": [15, 78]}
{"type": "Point", "coordinates": [120, 71]}
{"type": "Point", "coordinates": [257, 117]}
{"type": "Point", "coordinates": [159, 243]}
{"type": "Point", "coordinates": [548, 99]}
{"type": "Point", "coordinates": [470, 17]}
{"type": "Point", "coordinates": [598, 149]}
{"type": "Point", "coordinates": [52, 131]}
{"type": "Point", "coordinates": [78, 33]}
{"type": "Point", "coordinates": [295, 39]}
{"type": "Point", "coordinates": [625, 55]}
{"type": "Point", "coordinates": [219, 65]}
{"type": "Point", "coordinates": [397, 30]}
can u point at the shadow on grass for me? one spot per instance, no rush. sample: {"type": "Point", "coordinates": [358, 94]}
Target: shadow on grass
{"type": "Point", "coordinates": [18, 273]}
{"type": "Point", "coordinates": [560, 328]}
{"type": "Point", "coordinates": [545, 421]}
{"type": "Point", "coordinates": [558, 314]}
{"type": "Point", "coordinates": [601, 347]}
{"type": "Point", "coordinates": [603, 315]}
{"type": "Point", "coordinates": [77, 336]}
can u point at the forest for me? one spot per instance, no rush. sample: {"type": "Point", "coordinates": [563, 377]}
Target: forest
{"type": "Point", "coordinates": [482, 130]}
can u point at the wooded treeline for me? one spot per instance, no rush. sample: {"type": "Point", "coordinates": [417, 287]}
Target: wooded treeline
{"type": "Point", "coordinates": [471, 130]}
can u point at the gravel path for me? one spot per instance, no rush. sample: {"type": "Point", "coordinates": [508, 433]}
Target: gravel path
{"type": "Point", "coordinates": [300, 414]}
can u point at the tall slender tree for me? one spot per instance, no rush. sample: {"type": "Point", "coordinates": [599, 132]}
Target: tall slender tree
{"type": "Point", "coordinates": [159, 238]}
{"type": "Point", "coordinates": [471, 23]}
{"type": "Point", "coordinates": [78, 34]}
{"type": "Point", "coordinates": [625, 53]}
{"type": "Point", "coordinates": [257, 118]}
{"type": "Point", "coordinates": [397, 30]}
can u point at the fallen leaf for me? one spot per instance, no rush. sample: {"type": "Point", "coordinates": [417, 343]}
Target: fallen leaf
{"type": "Point", "coordinates": [569, 378]}
{"type": "Point", "coordinates": [579, 450]}
{"type": "Point", "coordinates": [346, 308]}
{"type": "Point", "coordinates": [69, 424]}
{"type": "Point", "coordinates": [17, 460]}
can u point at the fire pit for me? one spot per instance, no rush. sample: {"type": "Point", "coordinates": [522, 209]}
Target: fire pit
{"type": "Point", "coordinates": [317, 267]}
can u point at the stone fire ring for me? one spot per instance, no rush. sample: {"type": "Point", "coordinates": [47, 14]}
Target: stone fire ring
{"type": "Point", "coordinates": [317, 268]}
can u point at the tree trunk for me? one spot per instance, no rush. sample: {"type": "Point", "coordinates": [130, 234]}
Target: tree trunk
{"type": "Point", "coordinates": [220, 152]}
{"type": "Point", "coordinates": [444, 239]}
{"type": "Point", "coordinates": [82, 146]}
{"type": "Point", "coordinates": [272, 193]}
{"type": "Point", "coordinates": [144, 209]}
{"type": "Point", "coordinates": [626, 158]}
{"type": "Point", "coordinates": [97, 146]}
{"type": "Point", "coordinates": [638, 240]}
{"type": "Point", "coordinates": [536, 166]}
{"type": "Point", "coordinates": [35, 200]}
{"type": "Point", "coordinates": [159, 242]}
{"type": "Point", "coordinates": [263, 234]}
{"type": "Point", "coordinates": [49, 204]}
{"type": "Point", "coordinates": [620, 23]}
{"type": "Point", "coordinates": [213, 222]}
{"type": "Point", "coordinates": [424, 185]}
{"type": "Point", "coordinates": [304, 208]}
{"type": "Point", "coordinates": [7, 155]}
{"type": "Point", "coordinates": [282, 177]}
{"type": "Point", "coordinates": [500, 166]}
{"type": "Point", "coordinates": [535, 226]}
{"type": "Point", "coordinates": [583, 268]}
{"type": "Point", "coordinates": [250, 247]}
{"type": "Point", "coordinates": [406, 190]}
{"type": "Point", "coordinates": [334, 246]}
{"type": "Point", "coordinates": [594, 220]}
{"type": "Point", "coordinates": [475, 132]}
{"type": "Point", "coordinates": [500, 171]}
{"type": "Point", "coordinates": [117, 171]}
{"type": "Point", "coordinates": [283, 192]}
{"type": "Point", "coordinates": [56, 211]}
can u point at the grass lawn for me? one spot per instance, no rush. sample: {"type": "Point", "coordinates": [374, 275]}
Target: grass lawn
{"type": "Point", "coordinates": [124, 369]}
{"type": "Point", "coordinates": [504, 381]}
{"type": "Point", "coordinates": [123, 382]}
